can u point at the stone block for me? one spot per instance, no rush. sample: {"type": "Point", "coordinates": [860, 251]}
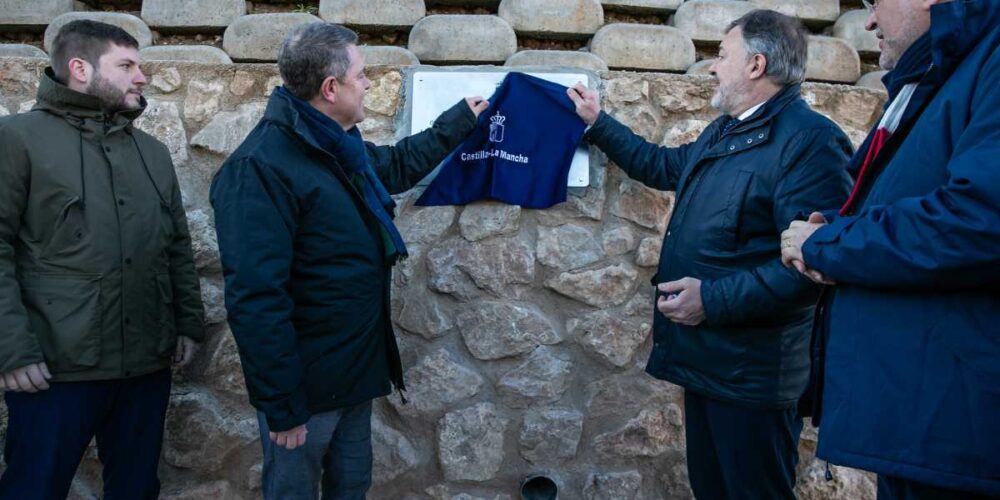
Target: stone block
{"type": "Point", "coordinates": [612, 337]}
{"type": "Point", "coordinates": [542, 378]}
{"type": "Point", "coordinates": [226, 131]}
{"type": "Point", "coordinates": [258, 37]}
{"type": "Point", "coordinates": [32, 13]}
{"type": "Point", "coordinates": [550, 435]}
{"type": "Point", "coordinates": [813, 12]}
{"type": "Point", "coordinates": [495, 330]}
{"type": "Point", "coordinates": [190, 14]}
{"type": "Point", "coordinates": [706, 20]}
{"type": "Point", "coordinates": [872, 80]}
{"type": "Point", "coordinates": [614, 485]}
{"type": "Point", "coordinates": [558, 58]}
{"type": "Point", "coordinates": [131, 24]}
{"type": "Point", "coordinates": [484, 219]}
{"type": "Point", "coordinates": [569, 246]}
{"type": "Point", "coordinates": [642, 6]}
{"type": "Point", "coordinates": [373, 13]}
{"type": "Point", "coordinates": [832, 60]}
{"type": "Point", "coordinates": [638, 46]}
{"type": "Point", "coordinates": [435, 384]}
{"type": "Point", "coordinates": [21, 50]}
{"type": "Point", "coordinates": [605, 287]}
{"type": "Point", "coordinates": [204, 54]}
{"type": "Point", "coordinates": [462, 38]}
{"type": "Point", "coordinates": [650, 434]}
{"type": "Point", "coordinates": [553, 18]}
{"type": "Point", "coordinates": [701, 67]}
{"type": "Point", "coordinates": [851, 27]}
{"type": "Point", "coordinates": [471, 443]}
{"type": "Point", "coordinates": [376, 55]}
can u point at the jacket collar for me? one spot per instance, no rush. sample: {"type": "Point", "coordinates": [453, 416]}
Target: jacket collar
{"type": "Point", "coordinates": [957, 26]}
{"type": "Point", "coordinates": [911, 67]}
{"type": "Point", "coordinates": [281, 111]}
{"type": "Point", "coordinates": [769, 110]}
{"type": "Point", "coordinates": [81, 110]}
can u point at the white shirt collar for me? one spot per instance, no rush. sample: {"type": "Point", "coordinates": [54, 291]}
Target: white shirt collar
{"type": "Point", "coordinates": [746, 114]}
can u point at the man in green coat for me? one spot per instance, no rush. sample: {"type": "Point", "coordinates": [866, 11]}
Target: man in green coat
{"type": "Point", "coordinates": [97, 277]}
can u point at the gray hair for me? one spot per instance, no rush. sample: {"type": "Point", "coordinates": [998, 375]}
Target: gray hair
{"type": "Point", "coordinates": [312, 52]}
{"type": "Point", "coordinates": [780, 39]}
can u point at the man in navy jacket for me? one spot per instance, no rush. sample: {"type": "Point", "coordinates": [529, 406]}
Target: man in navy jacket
{"type": "Point", "coordinates": [732, 324]}
{"type": "Point", "coordinates": [304, 220]}
{"type": "Point", "coordinates": [907, 338]}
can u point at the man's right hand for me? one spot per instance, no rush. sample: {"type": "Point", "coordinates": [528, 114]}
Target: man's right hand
{"type": "Point", "coordinates": [292, 438]}
{"type": "Point", "coordinates": [31, 378]}
{"type": "Point", "coordinates": [587, 101]}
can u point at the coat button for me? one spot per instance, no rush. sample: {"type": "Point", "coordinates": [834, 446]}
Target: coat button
{"type": "Point", "coordinates": [128, 260]}
{"type": "Point", "coordinates": [732, 147]}
{"type": "Point", "coordinates": [121, 202]}
{"type": "Point", "coordinates": [749, 141]}
{"type": "Point", "coordinates": [761, 136]}
{"type": "Point", "coordinates": [128, 321]}
{"type": "Point", "coordinates": [107, 149]}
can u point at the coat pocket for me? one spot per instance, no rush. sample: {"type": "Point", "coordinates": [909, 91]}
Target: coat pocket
{"type": "Point", "coordinates": [734, 206]}
{"type": "Point", "coordinates": [164, 321]}
{"type": "Point", "coordinates": [65, 314]}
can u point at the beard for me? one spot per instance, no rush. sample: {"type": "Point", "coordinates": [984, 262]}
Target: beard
{"type": "Point", "coordinates": [111, 98]}
{"type": "Point", "coordinates": [727, 97]}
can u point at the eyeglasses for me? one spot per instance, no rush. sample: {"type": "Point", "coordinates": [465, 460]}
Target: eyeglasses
{"type": "Point", "coordinates": [871, 5]}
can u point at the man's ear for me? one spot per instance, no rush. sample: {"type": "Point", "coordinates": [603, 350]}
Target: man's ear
{"type": "Point", "coordinates": [758, 66]}
{"type": "Point", "coordinates": [329, 91]}
{"type": "Point", "coordinates": [80, 70]}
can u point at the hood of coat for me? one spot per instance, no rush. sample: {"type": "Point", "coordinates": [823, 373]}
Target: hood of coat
{"type": "Point", "coordinates": [82, 111]}
{"type": "Point", "coordinates": [957, 26]}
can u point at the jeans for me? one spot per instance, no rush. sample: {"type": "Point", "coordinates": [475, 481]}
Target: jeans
{"type": "Point", "coordinates": [337, 457]}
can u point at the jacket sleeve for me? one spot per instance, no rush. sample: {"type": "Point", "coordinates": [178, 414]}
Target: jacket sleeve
{"type": "Point", "coordinates": [18, 345]}
{"type": "Point", "coordinates": [948, 238]}
{"type": "Point", "coordinates": [256, 214]}
{"type": "Point", "coordinates": [814, 179]}
{"type": "Point", "coordinates": [656, 166]}
{"type": "Point", "coordinates": [189, 313]}
{"type": "Point", "coordinates": [402, 165]}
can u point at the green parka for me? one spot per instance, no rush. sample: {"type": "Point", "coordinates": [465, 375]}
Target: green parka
{"type": "Point", "coordinates": [97, 276]}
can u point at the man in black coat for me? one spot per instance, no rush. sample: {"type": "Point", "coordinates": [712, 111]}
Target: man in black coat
{"type": "Point", "coordinates": [732, 324]}
{"type": "Point", "coordinates": [304, 220]}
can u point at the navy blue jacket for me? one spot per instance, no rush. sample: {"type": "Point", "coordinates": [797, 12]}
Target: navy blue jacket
{"type": "Point", "coordinates": [735, 194]}
{"type": "Point", "coordinates": [909, 340]}
{"type": "Point", "coordinates": [307, 286]}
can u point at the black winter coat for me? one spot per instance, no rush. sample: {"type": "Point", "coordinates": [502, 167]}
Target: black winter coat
{"type": "Point", "coordinates": [735, 195]}
{"type": "Point", "coordinates": [307, 286]}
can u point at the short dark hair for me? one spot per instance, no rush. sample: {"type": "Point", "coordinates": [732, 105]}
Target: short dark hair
{"type": "Point", "coordinates": [87, 40]}
{"type": "Point", "coordinates": [312, 52]}
{"type": "Point", "coordinates": [780, 39]}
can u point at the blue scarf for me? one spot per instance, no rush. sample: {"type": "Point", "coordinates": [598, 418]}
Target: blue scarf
{"type": "Point", "coordinates": [349, 149]}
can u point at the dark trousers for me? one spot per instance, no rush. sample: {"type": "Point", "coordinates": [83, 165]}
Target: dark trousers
{"type": "Point", "coordinates": [734, 452]}
{"type": "Point", "coordinates": [336, 458]}
{"type": "Point", "coordinates": [49, 431]}
{"type": "Point", "coordinates": [894, 488]}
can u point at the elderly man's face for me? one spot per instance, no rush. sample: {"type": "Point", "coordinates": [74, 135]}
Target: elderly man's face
{"type": "Point", "coordinates": [897, 24]}
{"type": "Point", "coordinates": [349, 109]}
{"type": "Point", "coordinates": [732, 71]}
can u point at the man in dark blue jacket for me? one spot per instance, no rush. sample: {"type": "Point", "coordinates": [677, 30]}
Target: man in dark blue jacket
{"type": "Point", "coordinates": [732, 325]}
{"type": "Point", "coordinates": [907, 342]}
{"type": "Point", "coordinates": [304, 220]}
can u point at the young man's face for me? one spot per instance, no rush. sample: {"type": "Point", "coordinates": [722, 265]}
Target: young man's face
{"type": "Point", "coordinates": [349, 109]}
{"type": "Point", "coordinates": [117, 80]}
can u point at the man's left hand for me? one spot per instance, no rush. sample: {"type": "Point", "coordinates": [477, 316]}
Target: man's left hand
{"type": "Point", "coordinates": [185, 351]}
{"type": "Point", "coordinates": [792, 240]}
{"type": "Point", "coordinates": [477, 104]}
{"type": "Point", "coordinates": [682, 302]}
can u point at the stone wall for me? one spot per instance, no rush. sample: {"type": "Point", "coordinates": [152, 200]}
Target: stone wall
{"type": "Point", "coordinates": [652, 35]}
{"type": "Point", "coordinates": [524, 332]}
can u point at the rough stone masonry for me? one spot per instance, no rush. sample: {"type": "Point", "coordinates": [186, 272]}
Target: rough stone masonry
{"type": "Point", "coordinates": [524, 332]}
